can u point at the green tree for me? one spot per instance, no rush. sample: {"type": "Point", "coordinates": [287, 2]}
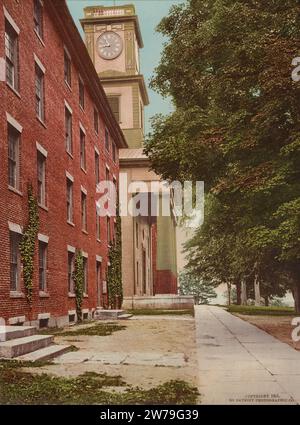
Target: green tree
{"type": "Point", "coordinates": [202, 290]}
{"type": "Point", "coordinates": [236, 126]}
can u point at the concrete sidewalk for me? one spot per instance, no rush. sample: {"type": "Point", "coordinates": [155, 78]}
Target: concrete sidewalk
{"type": "Point", "coordinates": [241, 364]}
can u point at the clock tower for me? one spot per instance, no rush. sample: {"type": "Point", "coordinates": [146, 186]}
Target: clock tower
{"type": "Point", "coordinates": [113, 39]}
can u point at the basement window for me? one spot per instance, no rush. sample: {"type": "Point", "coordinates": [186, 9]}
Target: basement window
{"type": "Point", "coordinates": [43, 323]}
{"type": "Point", "coordinates": [71, 318]}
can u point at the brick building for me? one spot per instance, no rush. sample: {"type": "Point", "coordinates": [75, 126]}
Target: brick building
{"type": "Point", "coordinates": [59, 135]}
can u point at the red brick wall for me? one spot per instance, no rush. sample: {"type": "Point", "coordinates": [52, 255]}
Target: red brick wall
{"type": "Point", "coordinates": [13, 207]}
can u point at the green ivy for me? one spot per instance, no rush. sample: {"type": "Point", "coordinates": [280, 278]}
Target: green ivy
{"type": "Point", "coordinates": [78, 277]}
{"type": "Point", "coordinates": [27, 244]}
{"type": "Point", "coordinates": [114, 276]}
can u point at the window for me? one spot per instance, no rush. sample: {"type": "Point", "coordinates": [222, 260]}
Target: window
{"type": "Point", "coordinates": [98, 228]}
{"type": "Point", "coordinates": [85, 274]}
{"type": "Point", "coordinates": [99, 280]}
{"type": "Point", "coordinates": [12, 56]}
{"type": "Point", "coordinates": [114, 103]}
{"type": "Point", "coordinates": [39, 93]}
{"type": "Point", "coordinates": [42, 266]}
{"type": "Point", "coordinates": [83, 212]}
{"type": "Point", "coordinates": [108, 230]}
{"type": "Point", "coordinates": [69, 201]}
{"type": "Point", "coordinates": [137, 234]}
{"type": "Point", "coordinates": [82, 150]}
{"type": "Point", "coordinates": [137, 273]}
{"type": "Point", "coordinates": [67, 68]}
{"type": "Point", "coordinates": [13, 158]}
{"type": "Point", "coordinates": [114, 152]}
{"type": "Point", "coordinates": [97, 167]}
{"type": "Point", "coordinates": [71, 267]}
{"type": "Point", "coordinates": [41, 173]}
{"type": "Point", "coordinates": [81, 93]}
{"type": "Point", "coordinates": [38, 17]}
{"type": "Point", "coordinates": [68, 129]}
{"type": "Point", "coordinates": [96, 120]}
{"type": "Point", "coordinates": [15, 262]}
{"type": "Point", "coordinates": [106, 140]}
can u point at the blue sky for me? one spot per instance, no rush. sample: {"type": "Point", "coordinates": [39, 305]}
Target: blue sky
{"type": "Point", "coordinates": [150, 13]}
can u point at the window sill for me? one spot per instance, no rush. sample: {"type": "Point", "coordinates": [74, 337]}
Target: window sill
{"type": "Point", "coordinates": [16, 294]}
{"type": "Point", "coordinates": [43, 207]}
{"type": "Point", "coordinates": [99, 240]}
{"type": "Point", "coordinates": [68, 85]}
{"type": "Point", "coordinates": [71, 223]}
{"type": "Point", "coordinates": [13, 90]}
{"type": "Point", "coordinates": [84, 170]}
{"type": "Point", "coordinates": [43, 294]}
{"type": "Point", "coordinates": [85, 296]}
{"type": "Point", "coordinates": [70, 154]}
{"type": "Point", "coordinates": [41, 121]}
{"type": "Point", "coordinates": [39, 37]}
{"type": "Point", "coordinates": [85, 231]}
{"type": "Point", "coordinates": [16, 191]}
{"type": "Point", "coordinates": [82, 108]}
{"type": "Point", "coordinates": [71, 295]}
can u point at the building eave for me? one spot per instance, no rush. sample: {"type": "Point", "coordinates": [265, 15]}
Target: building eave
{"type": "Point", "coordinates": [113, 19]}
{"type": "Point", "coordinates": [127, 79]}
{"type": "Point", "coordinates": [65, 24]}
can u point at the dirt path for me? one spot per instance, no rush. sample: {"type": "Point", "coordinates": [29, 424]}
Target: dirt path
{"type": "Point", "coordinates": [150, 351]}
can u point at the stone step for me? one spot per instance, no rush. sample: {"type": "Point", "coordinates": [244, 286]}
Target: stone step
{"type": "Point", "coordinates": [125, 316]}
{"type": "Point", "coordinates": [8, 333]}
{"type": "Point", "coordinates": [46, 353]}
{"type": "Point", "coordinates": [108, 314]}
{"type": "Point", "coordinates": [18, 347]}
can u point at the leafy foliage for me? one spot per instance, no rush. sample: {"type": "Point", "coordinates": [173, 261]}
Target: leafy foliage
{"type": "Point", "coordinates": [202, 291]}
{"type": "Point", "coordinates": [78, 277]}
{"type": "Point", "coordinates": [114, 276]}
{"type": "Point", "coordinates": [27, 244]}
{"type": "Point", "coordinates": [236, 126]}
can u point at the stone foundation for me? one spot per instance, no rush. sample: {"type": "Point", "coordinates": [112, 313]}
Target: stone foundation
{"type": "Point", "coordinates": [166, 302]}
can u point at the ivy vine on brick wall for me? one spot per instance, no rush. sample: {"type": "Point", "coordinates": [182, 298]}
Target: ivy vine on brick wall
{"type": "Point", "coordinates": [114, 275]}
{"type": "Point", "coordinates": [78, 278]}
{"type": "Point", "coordinates": [27, 244]}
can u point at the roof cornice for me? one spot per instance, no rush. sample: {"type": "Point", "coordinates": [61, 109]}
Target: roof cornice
{"type": "Point", "coordinates": [129, 78]}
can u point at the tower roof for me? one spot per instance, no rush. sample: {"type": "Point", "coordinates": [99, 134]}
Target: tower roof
{"type": "Point", "coordinates": [112, 14]}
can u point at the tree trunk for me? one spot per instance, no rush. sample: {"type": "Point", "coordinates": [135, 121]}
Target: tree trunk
{"type": "Point", "coordinates": [238, 293]}
{"type": "Point", "coordinates": [296, 295]}
{"type": "Point", "coordinates": [229, 293]}
{"type": "Point", "coordinates": [257, 290]}
{"type": "Point", "coordinates": [243, 293]}
{"type": "Point", "coordinates": [267, 301]}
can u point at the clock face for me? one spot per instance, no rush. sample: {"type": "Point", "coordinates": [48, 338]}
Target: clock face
{"type": "Point", "coordinates": [109, 45]}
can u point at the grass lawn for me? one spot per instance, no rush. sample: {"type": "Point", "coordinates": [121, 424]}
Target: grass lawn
{"type": "Point", "coordinates": [98, 329]}
{"type": "Point", "coordinates": [261, 311]}
{"type": "Point", "coordinates": [157, 312]}
{"type": "Point", "coordinates": [20, 387]}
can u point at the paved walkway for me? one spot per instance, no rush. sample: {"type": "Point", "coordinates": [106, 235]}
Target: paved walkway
{"type": "Point", "coordinates": [241, 364]}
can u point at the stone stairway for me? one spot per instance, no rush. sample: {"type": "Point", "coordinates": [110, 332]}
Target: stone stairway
{"type": "Point", "coordinates": [23, 343]}
{"type": "Point", "coordinates": [101, 314]}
